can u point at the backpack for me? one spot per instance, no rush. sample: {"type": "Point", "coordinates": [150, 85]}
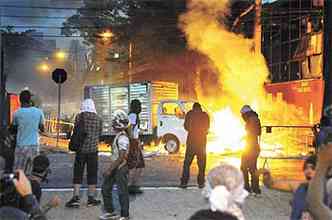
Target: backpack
{"type": "Point", "coordinates": [115, 145]}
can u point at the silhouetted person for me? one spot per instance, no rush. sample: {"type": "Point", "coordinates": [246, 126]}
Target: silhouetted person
{"type": "Point", "coordinates": [197, 123]}
{"type": "Point", "coordinates": [252, 149]}
{"type": "Point", "coordinates": [136, 162]}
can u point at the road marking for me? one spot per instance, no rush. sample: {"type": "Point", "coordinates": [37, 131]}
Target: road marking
{"type": "Point", "coordinates": [99, 189]}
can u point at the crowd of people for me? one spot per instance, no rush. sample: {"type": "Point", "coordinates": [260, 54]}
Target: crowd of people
{"type": "Point", "coordinates": [225, 187]}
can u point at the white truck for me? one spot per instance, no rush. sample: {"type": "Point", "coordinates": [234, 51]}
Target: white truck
{"type": "Point", "coordinates": [162, 115]}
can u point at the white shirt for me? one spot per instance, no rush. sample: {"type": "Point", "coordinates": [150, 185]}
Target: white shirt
{"type": "Point", "coordinates": [135, 130]}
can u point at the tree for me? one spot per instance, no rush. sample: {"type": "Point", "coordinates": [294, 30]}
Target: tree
{"type": "Point", "coordinates": [150, 25]}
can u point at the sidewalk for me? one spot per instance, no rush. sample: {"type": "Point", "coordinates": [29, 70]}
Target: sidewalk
{"type": "Point", "coordinates": [176, 204]}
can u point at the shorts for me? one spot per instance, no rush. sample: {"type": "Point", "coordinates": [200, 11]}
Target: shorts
{"type": "Point", "coordinates": [24, 156]}
{"type": "Point", "coordinates": [91, 162]}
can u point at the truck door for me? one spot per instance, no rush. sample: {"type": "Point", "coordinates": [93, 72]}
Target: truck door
{"type": "Point", "coordinates": [170, 125]}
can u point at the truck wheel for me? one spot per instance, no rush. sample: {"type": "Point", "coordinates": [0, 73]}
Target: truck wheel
{"type": "Point", "coordinates": [172, 144]}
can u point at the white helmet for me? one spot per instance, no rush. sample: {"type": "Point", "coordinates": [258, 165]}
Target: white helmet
{"type": "Point", "coordinates": [120, 120]}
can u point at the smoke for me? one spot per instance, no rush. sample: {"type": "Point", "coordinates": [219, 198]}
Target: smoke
{"type": "Point", "coordinates": [241, 72]}
{"type": "Point", "coordinates": [21, 69]}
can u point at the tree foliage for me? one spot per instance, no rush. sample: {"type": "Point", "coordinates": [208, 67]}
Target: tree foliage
{"type": "Point", "coordinates": [151, 25]}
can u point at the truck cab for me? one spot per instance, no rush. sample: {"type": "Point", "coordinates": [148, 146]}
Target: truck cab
{"type": "Point", "coordinates": [170, 129]}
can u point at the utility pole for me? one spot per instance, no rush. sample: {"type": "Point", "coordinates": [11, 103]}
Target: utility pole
{"type": "Point", "coordinates": [130, 61]}
{"type": "Point", "coordinates": [258, 27]}
{"type": "Point", "coordinates": [327, 62]}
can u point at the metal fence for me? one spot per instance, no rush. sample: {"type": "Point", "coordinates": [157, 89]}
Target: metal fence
{"type": "Point", "coordinates": [51, 126]}
{"type": "Point", "coordinates": [287, 141]}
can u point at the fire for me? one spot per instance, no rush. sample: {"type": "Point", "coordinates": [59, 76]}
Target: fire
{"type": "Point", "coordinates": [227, 132]}
{"type": "Point", "coordinates": [241, 72]}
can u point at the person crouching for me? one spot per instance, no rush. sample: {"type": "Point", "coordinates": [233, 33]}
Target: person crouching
{"type": "Point", "coordinates": [117, 172]}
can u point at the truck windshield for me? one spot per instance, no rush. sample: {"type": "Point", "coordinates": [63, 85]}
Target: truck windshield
{"type": "Point", "coordinates": [188, 106]}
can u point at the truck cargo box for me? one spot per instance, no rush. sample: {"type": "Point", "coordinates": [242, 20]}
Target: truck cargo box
{"type": "Point", "coordinates": [109, 98]}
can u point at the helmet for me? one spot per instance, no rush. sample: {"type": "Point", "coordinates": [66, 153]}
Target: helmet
{"type": "Point", "coordinates": [245, 109]}
{"type": "Point", "coordinates": [120, 120]}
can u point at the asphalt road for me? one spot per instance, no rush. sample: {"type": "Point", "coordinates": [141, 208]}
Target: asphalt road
{"type": "Point", "coordinates": [164, 170]}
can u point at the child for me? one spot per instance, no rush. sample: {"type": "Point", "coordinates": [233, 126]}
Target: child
{"type": "Point", "coordinates": [117, 173]}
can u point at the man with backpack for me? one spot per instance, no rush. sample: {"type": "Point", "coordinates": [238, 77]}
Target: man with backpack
{"type": "Point", "coordinates": [117, 172]}
{"type": "Point", "coordinates": [89, 125]}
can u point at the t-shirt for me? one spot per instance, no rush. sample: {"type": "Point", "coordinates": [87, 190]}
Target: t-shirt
{"type": "Point", "coordinates": [135, 127]}
{"type": "Point", "coordinates": [27, 121]}
{"type": "Point", "coordinates": [299, 202]}
{"type": "Point", "coordinates": [121, 142]}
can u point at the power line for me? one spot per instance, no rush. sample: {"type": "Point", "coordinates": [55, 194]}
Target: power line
{"type": "Point", "coordinates": [43, 7]}
{"type": "Point", "coordinates": [91, 17]}
{"type": "Point", "coordinates": [165, 8]}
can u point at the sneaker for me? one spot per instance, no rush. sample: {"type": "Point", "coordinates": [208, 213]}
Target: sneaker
{"type": "Point", "coordinates": [74, 202]}
{"type": "Point", "coordinates": [201, 186]}
{"type": "Point", "coordinates": [257, 193]}
{"type": "Point", "coordinates": [134, 189]}
{"type": "Point", "coordinates": [93, 202]}
{"type": "Point", "coordinates": [183, 186]}
{"type": "Point", "coordinates": [123, 218]}
{"type": "Point", "coordinates": [109, 216]}
{"type": "Point", "coordinates": [249, 190]}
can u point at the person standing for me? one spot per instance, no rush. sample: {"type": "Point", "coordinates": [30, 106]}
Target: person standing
{"type": "Point", "coordinates": [252, 149]}
{"type": "Point", "coordinates": [197, 123]}
{"type": "Point", "coordinates": [135, 158]}
{"type": "Point", "coordinates": [117, 173]}
{"type": "Point", "coordinates": [27, 121]}
{"type": "Point", "coordinates": [87, 155]}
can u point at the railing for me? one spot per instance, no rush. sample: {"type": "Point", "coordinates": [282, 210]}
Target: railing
{"type": "Point", "coordinates": [51, 126]}
{"type": "Point", "coordinates": [287, 141]}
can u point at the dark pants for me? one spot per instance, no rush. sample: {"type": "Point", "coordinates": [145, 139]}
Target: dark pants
{"type": "Point", "coordinates": [198, 150]}
{"type": "Point", "coordinates": [249, 166]}
{"type": "Point", "coordinates": [120, 178]}
{"type": "Point", "coordinates": [91, 161]}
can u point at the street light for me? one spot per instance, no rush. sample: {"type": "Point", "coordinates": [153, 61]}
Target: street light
{"type": "Point", "coordinates": [60, 55]}
{"type": "Point", "coordinates": [43, 67]}
{"type": "Point", "coordinates": [106, 35]}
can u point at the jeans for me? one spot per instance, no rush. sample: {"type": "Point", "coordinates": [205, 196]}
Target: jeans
{"type": "Point", "coordinates": [191, 152]}
{"type": "Point", "coordinates": [120, 178]}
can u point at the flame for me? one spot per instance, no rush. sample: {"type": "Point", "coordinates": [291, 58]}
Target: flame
{"type": "Point", "coordinates": [241, 73]}
{"type": "Point", "coordinates": [227, 132]}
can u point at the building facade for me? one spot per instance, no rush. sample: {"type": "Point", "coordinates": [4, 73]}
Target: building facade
{"type": "Point", "coordinates": [292, 39]}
